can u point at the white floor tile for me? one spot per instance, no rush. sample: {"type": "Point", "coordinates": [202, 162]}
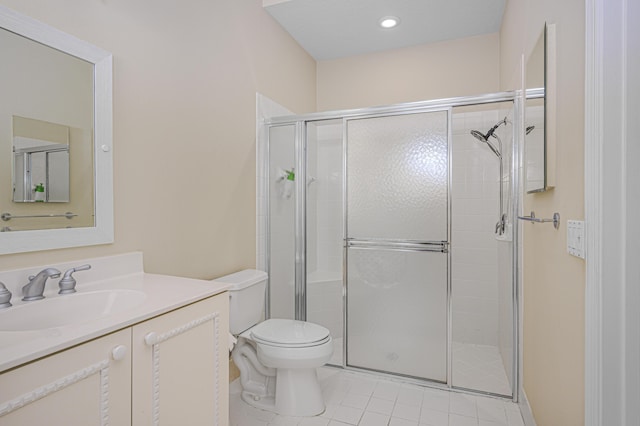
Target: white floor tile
{"type": "Point", "coordinates": [373, 419]}
{"type": "Point", "coordinates": [492, 410]}
{"type": "Point", "coordinates": [329, 409]}
{"type": "Point", "coordinates": [410, 396]}
{"type": "Point", "coordinates": [363, 387]}
{"type": "Point", "coordinates": [464, 405]}
{"type": "Point", "coordinates": [457, 420]}
{"type": "Point", "coordinates": [490, 423]}
{"type": "Point", "coordinates": [386, 390]}
{"type": "Point", "coordinates": [401, 422]}
{"type": "Point", "coordinates": [334, 396]}
{"type": "Point", "coordinates": [355, 401]}
{"type": "Point", "coordinates": [256, 413]}
{"type": "Point", "coordinates": [348, 415]}
{"type": "Point", "coordinates": [407, 412]}
{"type": "Point", "coordinates": [514, 418]}
{"type": "Point", "coordinates": [314, 421]}
{"type": "Point", "coordinates": [248, 421]}
{"type": "Point", "coordinates": [285, 421]}
{"type": "Point", "coordinates": [434, 417]}
{"type": "Point", "coordinates": [436, 400]}
{"type": "Point", "coordinates": [381, 406]}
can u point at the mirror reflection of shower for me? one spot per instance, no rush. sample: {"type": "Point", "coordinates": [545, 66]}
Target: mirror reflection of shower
{"type": "Point", "coordinates": [484, 138]}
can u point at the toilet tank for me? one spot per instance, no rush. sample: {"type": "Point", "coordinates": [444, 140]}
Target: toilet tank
{"type": "Point", "coordinates": [246, 298]}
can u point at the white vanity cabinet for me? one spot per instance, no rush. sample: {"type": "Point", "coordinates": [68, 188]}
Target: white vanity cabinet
{"type": "Point", "coordinates": [170, 370]}
{"type": "Point", "coordinates": [180, 366]}
{"type": "Point", "coordinates": [83, 385]}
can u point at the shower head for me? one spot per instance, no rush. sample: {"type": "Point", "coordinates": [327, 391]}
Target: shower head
{"type": "Point", "coordinates": [476, 134]}
{"type": "Point", "coordinates": [529, 129]}
{"type": "Point", "coordinates": [485, 139]}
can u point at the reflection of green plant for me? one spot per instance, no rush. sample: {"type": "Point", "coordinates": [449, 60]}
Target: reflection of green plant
{"type": "Point", "coordinates": [291, 175]}
{"type": "Point", "coordinates": [39, 187]}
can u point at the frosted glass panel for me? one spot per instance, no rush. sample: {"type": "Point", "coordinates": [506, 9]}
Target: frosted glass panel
{"type": "Point", "coordinates": [282, 201]}
{"type": "Point", "coordinates": [397, 177]}
{"type": "Point", "coordinates": [325, 224]}
{"type": "Point", "coordinates": [397, 312]}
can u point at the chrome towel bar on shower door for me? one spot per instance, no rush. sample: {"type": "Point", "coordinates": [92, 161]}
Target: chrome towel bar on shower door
{"type": "Point", "coordinates": [436, 246]}
{"type": "Point", "coordinates": [534, 219]}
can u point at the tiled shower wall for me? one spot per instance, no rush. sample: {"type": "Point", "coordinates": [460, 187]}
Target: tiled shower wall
{"type": "Point", "coordinates": [475, 211]}
{"type": "Point", "coordinates": [482, 262]}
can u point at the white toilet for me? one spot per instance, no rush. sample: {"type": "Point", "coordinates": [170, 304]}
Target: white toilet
{"type": "Point", "coordinates": [277, 358]}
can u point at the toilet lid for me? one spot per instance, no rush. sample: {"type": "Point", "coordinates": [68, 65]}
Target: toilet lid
{"type": "Point", "coordinates": [289, 333]}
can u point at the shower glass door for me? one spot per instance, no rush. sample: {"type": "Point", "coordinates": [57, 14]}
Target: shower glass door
{"type": "Point", "coordinates": [397, 235]}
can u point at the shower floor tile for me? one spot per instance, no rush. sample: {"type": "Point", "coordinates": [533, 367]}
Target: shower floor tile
{"type": "Point", "coordinates": [479, 367]}
{"type": "Point", "coordinates": [351, 400]}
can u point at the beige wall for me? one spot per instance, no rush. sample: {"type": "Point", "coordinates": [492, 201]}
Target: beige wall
{"type": "Point", "coordinates": [462, 67]}
{"type": "Point", "coordinates": [554, 281]}
{"type": "Point", "coordinates": [185, 79]}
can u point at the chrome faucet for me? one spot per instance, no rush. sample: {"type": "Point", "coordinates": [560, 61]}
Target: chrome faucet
{"type": "Point", "coordinates": [68, 284]}
{"type": "Point", "coordinates": [5, 297]}
{"type": "Point", "coordinates": [34, 289]}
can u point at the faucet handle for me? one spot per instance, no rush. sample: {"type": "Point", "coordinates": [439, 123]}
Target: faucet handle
{"type": "Point", "coordinates": [68, 283]}
{"type": "Point", "coordinates": [5, 296]}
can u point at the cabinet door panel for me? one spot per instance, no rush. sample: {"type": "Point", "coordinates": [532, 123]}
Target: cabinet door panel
{"type": "Point", "coordinates": [78, 386]}
{"type": "Point", "coordinates": [180, 366]}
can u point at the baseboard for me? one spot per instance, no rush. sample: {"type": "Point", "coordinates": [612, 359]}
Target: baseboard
{"type": "Point", "coordinates": [525, 410]}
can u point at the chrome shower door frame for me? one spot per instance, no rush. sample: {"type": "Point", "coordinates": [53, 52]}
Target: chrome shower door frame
{"type": "Point", "coordinates": [300, 123]}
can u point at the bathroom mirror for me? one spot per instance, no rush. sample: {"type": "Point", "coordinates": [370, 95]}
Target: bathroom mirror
{"type": "Point", "coordinates": [539, 140]}
{"type": "Point", "coordinates": [56, 187]}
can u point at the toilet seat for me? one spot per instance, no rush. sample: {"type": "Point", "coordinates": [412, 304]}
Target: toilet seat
{"type": "Point", "coordinates": [286, 333]}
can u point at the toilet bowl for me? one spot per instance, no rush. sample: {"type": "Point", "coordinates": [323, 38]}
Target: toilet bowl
{"type": "Point", "coordinates": [277, 358]}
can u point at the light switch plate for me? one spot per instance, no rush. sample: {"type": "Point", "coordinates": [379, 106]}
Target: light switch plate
{"type": "Point", "coordinates": [575, 238]}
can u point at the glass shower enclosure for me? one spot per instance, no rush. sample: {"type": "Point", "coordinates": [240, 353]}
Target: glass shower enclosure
{"type": "Point", "coordinates": [359, 236]}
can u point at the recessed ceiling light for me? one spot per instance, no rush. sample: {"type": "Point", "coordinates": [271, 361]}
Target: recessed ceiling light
{"type": "Point", "coordinates": [389, 21]}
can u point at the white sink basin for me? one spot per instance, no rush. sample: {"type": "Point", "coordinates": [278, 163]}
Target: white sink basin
{"type": "Point", "coordinates": [68, 309]}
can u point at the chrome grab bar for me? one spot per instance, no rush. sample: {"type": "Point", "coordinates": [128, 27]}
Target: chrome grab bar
{"type": "Point", "coordinates": [433, 246]}
{"type": "Point", "coordinates": [534, 219]}
{"type": "Point", "coordinates": [9, 216]}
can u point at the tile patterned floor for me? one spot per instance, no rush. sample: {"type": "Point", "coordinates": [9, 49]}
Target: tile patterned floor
{"type": "Point", "coordinates": [363, 400]}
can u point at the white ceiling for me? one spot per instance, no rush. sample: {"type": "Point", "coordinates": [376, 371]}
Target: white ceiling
{"type": "Point", "coordinates": [329, 29]}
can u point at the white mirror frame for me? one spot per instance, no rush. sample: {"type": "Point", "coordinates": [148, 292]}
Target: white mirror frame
{"type": "Point", "coordinates": [102, 232]}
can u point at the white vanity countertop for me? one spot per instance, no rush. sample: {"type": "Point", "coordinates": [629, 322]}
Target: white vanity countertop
{"type": "Point", "coordinates": [162, 294]}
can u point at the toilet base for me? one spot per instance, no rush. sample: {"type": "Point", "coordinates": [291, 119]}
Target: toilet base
{"type": "Point", "coordinates": [298, 393]}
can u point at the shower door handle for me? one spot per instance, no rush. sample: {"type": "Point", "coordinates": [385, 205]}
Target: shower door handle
{"type": "Point", "coordinates": [433, 246]}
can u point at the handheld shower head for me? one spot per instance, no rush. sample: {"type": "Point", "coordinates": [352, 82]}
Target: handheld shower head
{"type": "Point", "coordinates": [485, 137]}
{"type": "Point", "coordinates": [481, 137]}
